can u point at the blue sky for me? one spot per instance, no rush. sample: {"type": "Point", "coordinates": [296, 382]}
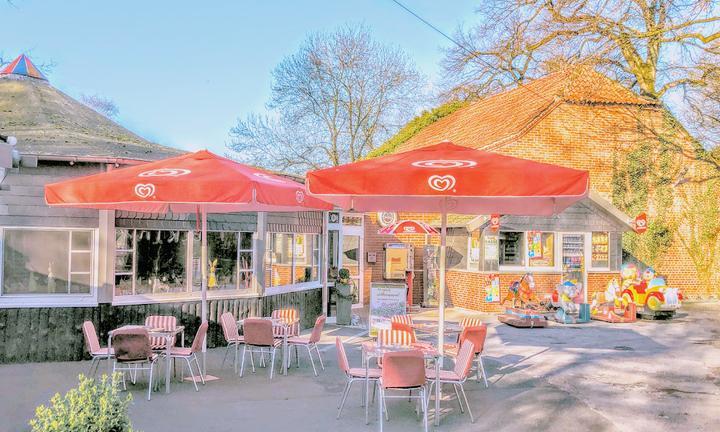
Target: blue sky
{"type": "Point", "coordinates": [182, 72]}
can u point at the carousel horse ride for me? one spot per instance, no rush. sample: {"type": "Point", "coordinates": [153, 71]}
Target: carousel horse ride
{"type": "Point", "coordinates": [528, 314]}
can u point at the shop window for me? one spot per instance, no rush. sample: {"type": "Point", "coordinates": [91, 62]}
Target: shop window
{"type": "Point", "coordinates": [541, 249]}
{"type": "Point", "coordinates": [600, 250]}
{"type": "Point", "coordinates": [47, 262]}
{"type": "Point", "coordinates": [291, 258]}
{"type": "Point", "coordinates": [229, 260]}
{"type": "Point", "coordinates": [511, 248]}
{"type": "Point", "coordinates": [161, 262]}
{"type": "Point", "coordinates": [156, 261]}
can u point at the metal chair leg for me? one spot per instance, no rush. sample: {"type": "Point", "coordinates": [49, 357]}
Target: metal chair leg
{"type": "Point", "coordinates": [272, 363]}
{"type": "Point", "coordinates": [192, 374]}
{"type": "Point", "coordinates": [482, 368]}
{"type": "Point", "coordinates": [311, 360]}
{"type": "Point", "coordinates": [462, 389]}
{"type": "Point", "coordinates": [317, 350]}
{"type": "Point", "coordinates": [242, 364]}
{"type": "Point", "coordinates": [227, 350]}
{"type": "Point", "coordinates": [381, 403]}
{"type": "Point", "coordinates": [346, 391]}
{"type": "Point", "coordinates": [200, 372]}
{"type": "Point", "coordinates": [457, 395]}
{"type": "Point", "coordinates": [150, 382]}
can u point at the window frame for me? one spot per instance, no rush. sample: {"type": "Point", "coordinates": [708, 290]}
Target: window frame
{"type": "Point", "coordinates": [588, 252]}
{"type": "Point", "coordinates": [54, 300]}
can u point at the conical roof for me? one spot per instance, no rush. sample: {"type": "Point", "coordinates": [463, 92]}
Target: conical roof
{"type": "Point", "coordinates": [47, 122]}
{"type": "Point", "coordinates": [23, 66]}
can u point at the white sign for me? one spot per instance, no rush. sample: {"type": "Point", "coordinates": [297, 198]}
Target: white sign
{"type": "Point", "coordinates": [386, 300]}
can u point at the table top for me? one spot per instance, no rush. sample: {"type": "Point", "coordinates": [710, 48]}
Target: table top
{"type": "Point", "coordinates": [433, 327]}
{"type": "Point", "coordinates": [372, 349]}
{"type": "Point", "coordinates": [277, 322]}
{"type": "Point", "coordinates": [153, 330]}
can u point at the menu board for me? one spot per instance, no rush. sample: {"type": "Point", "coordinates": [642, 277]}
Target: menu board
{"type": "Point", "coordinates": [600, 249]}
{"type": "Point", "coordinates": [386, 300]}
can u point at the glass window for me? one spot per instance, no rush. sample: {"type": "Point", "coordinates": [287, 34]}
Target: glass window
{"type": "Point", "coordinates": [511, 248]}
{"type": "Point", "coordinates": [292, 258]}
{"type": "Point", "coordinates": [245, 261]}
{"type": "Point", "coordinates": [161, 264]}
{"type": "Point", "coordinates": [600, 250]}
{"type": "Point", "coordinates": [278, 259]}
{"type": "Point", "coordinates": [37, 261]}
{"type": "Point", "coordinates": [541, 249]}
{"type": "Point", "coordinates": [457, 249]}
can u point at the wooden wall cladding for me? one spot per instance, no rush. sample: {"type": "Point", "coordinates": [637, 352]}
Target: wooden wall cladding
{"type": "Point", "coordinates": [55, 334]}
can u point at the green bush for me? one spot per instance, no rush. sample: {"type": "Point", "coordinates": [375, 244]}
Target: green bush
{"type": "Point", "coordinates": [93, 406]}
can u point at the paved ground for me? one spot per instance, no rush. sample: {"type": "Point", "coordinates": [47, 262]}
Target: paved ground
{"type": "Point", "coordinates": [597, 377]}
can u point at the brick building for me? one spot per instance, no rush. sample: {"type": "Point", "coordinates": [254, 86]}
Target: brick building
{"type": "Point", "coordinates": [579, 119]}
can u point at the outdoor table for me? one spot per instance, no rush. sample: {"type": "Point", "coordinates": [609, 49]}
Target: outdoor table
{"type": "Point", "coordinates": [169, 335]}
{"type": "Point", "coordinates": [433, 327]}
{"type": "Point", "coordinates": [372, 350]}
{"type": "Point", "coordinates": [285, 325]}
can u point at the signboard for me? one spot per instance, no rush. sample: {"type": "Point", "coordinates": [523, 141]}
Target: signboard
{"type": "Point", "coordinates": [398, 260]}
{"type": "Point", "coordinates": [492, 289]}
{"type": "Point", "coordinates": [386, 219]}
{"type": "Point", "coordinates": [641, 223]}
{"type": "Point", "coordinates": [386, 300]}
{"type": "Point", "coordinates": [494, 222]}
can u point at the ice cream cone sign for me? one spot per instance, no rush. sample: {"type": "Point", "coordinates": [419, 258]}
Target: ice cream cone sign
{"type": "Point", "coordinates": [495, 222]}
{"type": "Point", "coordinates": [641, 223]}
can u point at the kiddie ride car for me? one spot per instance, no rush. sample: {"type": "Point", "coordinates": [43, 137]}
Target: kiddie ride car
{"type": "Point", "coordinates": [650, 294]}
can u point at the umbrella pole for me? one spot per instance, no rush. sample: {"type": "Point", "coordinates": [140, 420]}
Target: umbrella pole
{"type": "Point", "coordinates": [441, 293]}
{"type": "Point", "coordinates": [203, 291]}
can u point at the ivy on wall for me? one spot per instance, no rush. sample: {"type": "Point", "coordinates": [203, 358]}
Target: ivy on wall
{"type": "Point", "coordinates": [414, 126]}
{"type": "Point", "coordinates": [642, 182]}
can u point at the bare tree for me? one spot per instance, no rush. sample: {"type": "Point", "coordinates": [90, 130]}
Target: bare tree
{"type": "Point", "coordinates": [101, 104]}
{"type": "Point", "coordinates": [652, 46]}
{"type": "Point", "coordinates": [332, 102]}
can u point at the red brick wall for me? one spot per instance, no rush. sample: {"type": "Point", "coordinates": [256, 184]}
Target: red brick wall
{"type": "Point", "coordinates": [467, 289]}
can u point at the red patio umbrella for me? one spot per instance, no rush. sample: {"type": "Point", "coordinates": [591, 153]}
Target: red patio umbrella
{"type": "Point", "coordinates": [408, 227]}
{"type": "Point", "coordinates": [199, 182]}
{"type": "Point", "coordinates": [447, 178]}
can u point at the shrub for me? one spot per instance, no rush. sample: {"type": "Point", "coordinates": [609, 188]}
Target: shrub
{"type": "Point", "coordinates": [93, 406]}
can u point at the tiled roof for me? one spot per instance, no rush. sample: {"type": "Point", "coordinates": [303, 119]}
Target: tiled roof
{"type": "Point", "coordinates": [504, 117]}
{"type": "Point", "coordinates": [48, 122]}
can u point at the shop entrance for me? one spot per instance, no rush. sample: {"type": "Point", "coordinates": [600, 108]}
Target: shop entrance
{"type": "Point", "coordinates": [351, 256]}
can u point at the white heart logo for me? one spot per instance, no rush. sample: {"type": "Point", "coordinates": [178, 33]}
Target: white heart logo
{"type": "Point", "coordinates": [145, 190]}
{"type": "Point", "coordinates": [299, 196]}
{"type": "Point", "coordinates": [441, 183]}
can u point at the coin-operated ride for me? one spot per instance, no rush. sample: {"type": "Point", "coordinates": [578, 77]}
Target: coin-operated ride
{"type": "Point", "coordinates": [649, 292]}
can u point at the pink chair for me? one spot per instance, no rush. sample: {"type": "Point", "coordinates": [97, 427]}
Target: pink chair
{"type": "Point", "coordinates": [232, 336]}
{"type": "Point", "coordinates": [477, 336]}
{"type": "Point", "coordinates": [352, 374]}
{"type": "Point", "coordinates": [92, 344]}
{"type": "Point", "coordinates": [395, 337]}
{"type": "Point", "coordinates": [259, 339]}
{"type": "Point", "coordinates": [403, 370]}
{"type": "Point", "coordinates": [164, 322]}
{"type": "Point", "coordinates": [133, 352]}
{"type": "Point", "coordinates": [290, 316]}
{"type": "Point", "coordinates": [399, 326]}
{"type": "Point", "coordinates": [310, 343]}
{"type": "Point", "coordinates": [457, 376]}
{"type": "Point", "coordinates": [402, 319]}
{"type": "Point", "coordinates": [471, 322]}
{"type": "Point", "coordinates": [190, 354]}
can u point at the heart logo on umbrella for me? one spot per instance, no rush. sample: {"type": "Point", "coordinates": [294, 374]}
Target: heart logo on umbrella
{"type": "Point", "coordinates": [144, 190]}
{"type": "Point", "coordinates": [441, 183]}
